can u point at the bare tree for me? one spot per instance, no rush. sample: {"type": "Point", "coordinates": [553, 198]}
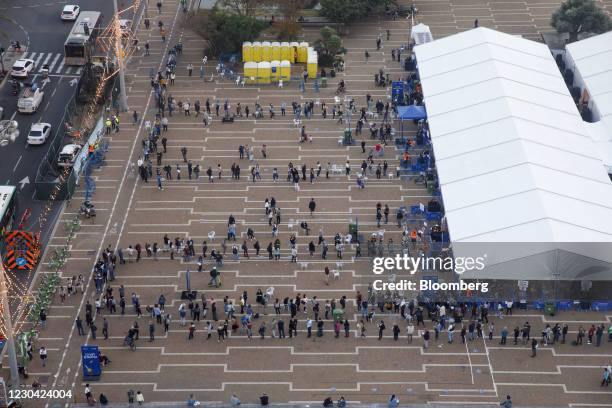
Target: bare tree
{"type": "Point", "coordinates": [242, 7]}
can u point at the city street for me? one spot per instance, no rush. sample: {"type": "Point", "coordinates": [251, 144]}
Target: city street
{"type": "Point", "coordinates": [42, 35]}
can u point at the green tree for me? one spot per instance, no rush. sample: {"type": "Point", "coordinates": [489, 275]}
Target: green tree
{"type": "Point", "coordinates": [576, 16]}
{"type": "Point", "coordinates": [348, 11]}
{"type": "Point", "coordinates": [225, 32]}
{"type": "Point", "coordinates": [328, 46]}
{"type": "Point", "coordinates": [342, 11]}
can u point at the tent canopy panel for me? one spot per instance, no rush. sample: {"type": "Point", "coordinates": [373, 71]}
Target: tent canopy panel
{"type": "Point", "coordinates": [411, 112]}
{"type": "Point", "coordinates": [482, 53]}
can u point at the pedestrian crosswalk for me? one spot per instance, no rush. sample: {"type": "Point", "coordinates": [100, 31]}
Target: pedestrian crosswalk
{"type": "Point", "coordinates": [55, 62]}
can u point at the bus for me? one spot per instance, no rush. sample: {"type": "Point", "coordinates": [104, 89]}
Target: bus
{"type": "Point", "coordinates": [78, 47]}
{"type": "Point", "coordinates": [8, 211]}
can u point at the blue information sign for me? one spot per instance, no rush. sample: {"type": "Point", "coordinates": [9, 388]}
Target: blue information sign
{"type": "Point", "coordinates": [397, 92]}
{"type": "Point", "coordinates": [91, 362]}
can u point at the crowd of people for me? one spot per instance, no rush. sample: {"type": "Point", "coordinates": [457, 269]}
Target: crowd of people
{"type": "Point", "coordinates": [268, 315]}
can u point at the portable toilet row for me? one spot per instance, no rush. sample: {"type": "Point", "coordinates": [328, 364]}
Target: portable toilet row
{"type": "Point", "coordinates": [265, 72]}
{"type": "Point", "coordinates": [312, 63]}
{"type": "Point", "coordinates": [275, 51]}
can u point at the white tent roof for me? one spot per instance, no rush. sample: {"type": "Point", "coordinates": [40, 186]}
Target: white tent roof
{"type": "Point", "coordinates": [514, 158]}
{"type": "Point", "coordinates": [593, 59]}
{"type": "Point", "coordinates": [601, 133]}
{"type": "Point", "coordinates": [421, 34]}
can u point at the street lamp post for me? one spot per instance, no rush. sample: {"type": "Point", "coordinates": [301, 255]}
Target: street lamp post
{"type": "Point", "coordinates": [120, 63]}
{"type": "Point", "coordinates": [8, 325]}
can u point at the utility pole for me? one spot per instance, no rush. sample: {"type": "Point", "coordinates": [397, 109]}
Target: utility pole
{"type": "Point", "coordinates": [8, 325]}
{"type": "Point", "coordinates": [120, 63]}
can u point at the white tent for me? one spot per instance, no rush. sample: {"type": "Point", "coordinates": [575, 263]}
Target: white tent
{"type": "Point", "coordinates": [421, 34]}
{"type": "Point", "coordinates": [591, 60]}
{"type": "Point", "coordinates": [601, 133]}
{"type": "Point", "coordinates": [520, 177]}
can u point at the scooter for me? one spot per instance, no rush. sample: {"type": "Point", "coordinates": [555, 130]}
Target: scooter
{"type": "Point", "coordinates": [45, 71]}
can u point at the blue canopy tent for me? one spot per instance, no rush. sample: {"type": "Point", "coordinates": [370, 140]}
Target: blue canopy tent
{"type": "Point", "coordinates": [410, 112]}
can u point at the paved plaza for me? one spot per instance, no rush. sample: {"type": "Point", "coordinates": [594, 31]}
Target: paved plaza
{"type": "Point", "coordinates": [300, 369]}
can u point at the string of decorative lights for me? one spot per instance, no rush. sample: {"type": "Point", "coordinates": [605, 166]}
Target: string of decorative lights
{"type": "Point", "coordinates": [107, 43]}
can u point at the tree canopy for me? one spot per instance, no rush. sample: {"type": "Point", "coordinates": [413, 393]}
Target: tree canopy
{"type": "Point", "coordinates": [576, 16]}
{"type": "Point", "coordinates": [328, 46]}
{"type": "Point", "coordinates": [226, 31]}
{"type": "Point", "coordinates": [348, 11]}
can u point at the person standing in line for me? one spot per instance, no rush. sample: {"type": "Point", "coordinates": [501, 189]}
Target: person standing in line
{"type": "Point", "coordinates": [105, 328]}
{"type": "Point", "coordinates": [605, 381]}
{"type": "Point", "coordinates": [139, 398]}
{"type": "Point", "coordinates": [534, 347]}
{"type": "Point", "coordinates": [381, 329]}
{"type": "Point", "coordinates": [79, 326]}
{"type": "Point", "coordinates": [410, 331]}
{"type": "Point", "coordinates": [426, 337]}
{"type": "Point", "coordinates": [93, 328]}
{"type": "Point", "coordinates": [43, 356]}
{"type": "Point", "coordinates": [396, 331]}
{"type": "Point", "coordinates": [507, 403]}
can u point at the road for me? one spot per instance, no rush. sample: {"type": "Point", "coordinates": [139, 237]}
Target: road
{"type": "Point", "coordinates": [44, 34]}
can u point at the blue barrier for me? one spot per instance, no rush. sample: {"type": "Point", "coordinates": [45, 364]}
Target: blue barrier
{"type": "Point", "coordinates": [601, 306]}
{"type": "Point", "coordinates": [564, 305]}
{"type": "Point", "coordinates": [433, 216]}
{"type": "Point", "coordinates": [415, 210]}
{"type": "Point", "coordinates": [538, 305]}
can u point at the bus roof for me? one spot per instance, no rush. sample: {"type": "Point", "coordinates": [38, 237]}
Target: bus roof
{"type": "Point", "coordinates": [6, 193]}
{"type": "Point", "coordinates": [89, 17]}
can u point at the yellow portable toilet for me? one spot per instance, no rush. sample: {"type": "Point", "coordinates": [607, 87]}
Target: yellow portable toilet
{"type": "Point", "coordinates": [250, 72]}
{"type": "Point", "coordinates": [256, 51]}
{"type": "Point", "coordinates": [266, 51]}
{"type": "Point", "coordinates": [247, 51]}
{"type": "Point", "coordinates": [275, 54]}
{"type": "Point", "coordinates": [263, 72]}
{"type": "Point", "coordinates": [275, 72]}
{"type": "Point", "coordinates": [303, 52]}
{"type": "Point", "coordinates": [312, 66]}
{"type": "Point", "coordinates": [285, 70]}
{"type": "Point", "coordinates": [284, 46]}
{"type": "Point", "coordinates": [293, 57]}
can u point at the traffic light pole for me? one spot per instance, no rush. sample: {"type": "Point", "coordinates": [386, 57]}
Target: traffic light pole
{"type": "Point", "coordinates": [8, 326]}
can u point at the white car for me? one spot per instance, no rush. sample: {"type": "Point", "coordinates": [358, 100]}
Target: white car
{"type": "Point", "coordinates": [22, 67]}
{"type": "Point", "coordinates": [68, 155]}
{"type": "Point", "coordinates": [39, 132]}
{"type": "Point", "coordinates": [70, 12]}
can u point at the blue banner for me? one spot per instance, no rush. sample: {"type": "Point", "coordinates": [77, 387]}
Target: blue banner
{"type": "Point", "coordinates": [91, 362]}
{"type": "Point", "coordinates": [397, 92]}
